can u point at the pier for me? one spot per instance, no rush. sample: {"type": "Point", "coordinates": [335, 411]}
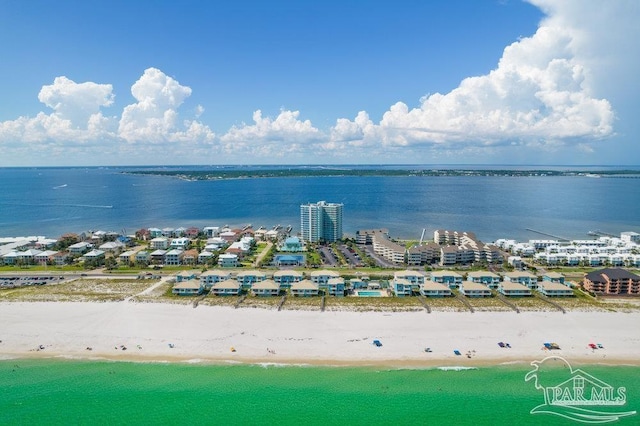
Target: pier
{"type": "Point", "coordinates": [555, 237]}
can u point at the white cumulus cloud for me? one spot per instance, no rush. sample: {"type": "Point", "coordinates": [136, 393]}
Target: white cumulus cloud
{"type": "Point", "coordinates": [285, 134]}
{"type": "Point", "coordinates": [540, 93]}
{"type": "Point", "coordinates": [154, 117]}
{"type": "Point", "coordinates": [76, 116]}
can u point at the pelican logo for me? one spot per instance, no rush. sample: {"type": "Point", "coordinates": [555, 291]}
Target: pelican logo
{"type": "Point", "coordinates": [575, 394]}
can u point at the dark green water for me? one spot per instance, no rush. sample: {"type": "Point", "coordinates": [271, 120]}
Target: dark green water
{"type": "Point", "coordinates": [82, 392]}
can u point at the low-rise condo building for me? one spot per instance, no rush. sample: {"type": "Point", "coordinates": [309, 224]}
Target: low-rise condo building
{"type": "Point", "coordinates": [304, 288]}
{"type": "Point", "coordinates": [616, 281]}
{"type": "Point", "coordinates": [226, 288]}
{"type": "Point", "coordinates": [513, 289]}
{"type": "Point", "coordinates": [522, 277]}
{"type": "Point", "coordinates": [265, 288]}
{"type": "Point", "coordinates": [209, 278]}
{"type": "Point", "coordinates": [285, 278]}
{"type": "Point", "coordinates": [474, 289]}
{"type": "Point", "coordinates": [487, 278]}
{"type": "Point", "coordinates": [554, 289]}
{"type": "Point", "coordinates": [434, 289]}
{"type": "Point", "coordinates": [450, 278]}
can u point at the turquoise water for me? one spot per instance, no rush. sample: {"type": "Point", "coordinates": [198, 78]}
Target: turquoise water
{"type": "Point", "coordinates": [366, 293]}
{"type": "Point", "coordinates": [83, 392]}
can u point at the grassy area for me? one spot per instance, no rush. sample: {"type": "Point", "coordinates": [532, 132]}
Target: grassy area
{"type": "Point", "coordinates": [84, 290]}
{"type": "Point", "coordinates": [380, 304]}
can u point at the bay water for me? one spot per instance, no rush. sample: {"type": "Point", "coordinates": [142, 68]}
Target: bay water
{"type": "Point", "coordinates": [52, 201]}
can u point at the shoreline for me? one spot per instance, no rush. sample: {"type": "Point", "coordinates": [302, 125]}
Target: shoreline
{"type": "Point", "coordinates": [221, 335]}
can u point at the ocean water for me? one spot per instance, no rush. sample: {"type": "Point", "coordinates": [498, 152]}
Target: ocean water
{"type": "Point", "coordinates": [52, 201]}
{"type": "Point", "coordinates": [89, 392]}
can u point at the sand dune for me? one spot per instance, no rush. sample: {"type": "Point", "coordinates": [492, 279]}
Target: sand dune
{"type": "Point", "coordinates": [331, 338]}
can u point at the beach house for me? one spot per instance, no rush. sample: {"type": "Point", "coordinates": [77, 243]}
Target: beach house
{"type": "Point", "coordinates": [358, 283]}
{"type": "Point", "coordinates": [209, 278]}
{"type": "Point", "coordinates": [321, 278]}
{"type": "Point", "coordinates": [554, 277]}
{"type": "Point", "coordinates": [227, 260]}
{"type": "Point", "coordinates": [188, 288]}
{"type": "Point", "coordinates": [474, 289]}
{"type": "Point", "coordinates": [414, 277]}
{"type": "Point", "coordinates": [292, 245]}
{"type": "Point", "coordinates": [94, 257]}
{"type": "Point", "coordinates": [402, 287]}
{"type": "Point", "coordinates": [304, 288]}
{"type": "Point", "coordinates": [173, 257]}
{"type": "Point", "coordinates": [513, 289]}
{"type": "Point", "coordinates": [285, 278]}
{"type": "Point", "coordinates": [159, 243]}
{"type": "Point", "coordinates": [487, 278]}
{"type": "Point", "coordinates": [522, 277]}
{"type": "Point", "coordinates": [265, 288]}
{"type": "Point", "coordinates": [127, 257]}
{"type": "Point", "coordinates": [204, 256]}
{"type": "Point", "coordinates": [185, 276]}
{"type": "Point", "coordinates": [228, 287]}
{"type": "Point", "coordinates": [450, 278]}
{"type": "Point", "coordinates": [181, 243]}
{"type": "Point", "coordinates": [61, 258]}
{"type": "Point", "coordinates": [143, 257]}
{"type": "Point", "coordinates": [434, 289]}
{"type": "Point", "coordinates": [554, 289]}
{"type": "Point", "coordinates": [247, 278]}
{"type": "Point", "coordinates": [44, 257]}
{"type": "Point", "coordinates": [80, 248]}
{"type": "Point", "coordinates": [336, 287]}
{"type": "Point", "coordinates": [157, 256]}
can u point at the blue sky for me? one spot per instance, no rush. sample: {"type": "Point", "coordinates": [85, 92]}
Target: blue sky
{"type": "Point", "coordinates": [290, 82]}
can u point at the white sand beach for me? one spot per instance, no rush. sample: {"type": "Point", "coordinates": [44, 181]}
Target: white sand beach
{"type": "Point", "coordinates": [208, 334]}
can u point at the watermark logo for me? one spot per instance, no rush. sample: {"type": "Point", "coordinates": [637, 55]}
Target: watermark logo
{"type": "Point", "coordinates": [575, 394]}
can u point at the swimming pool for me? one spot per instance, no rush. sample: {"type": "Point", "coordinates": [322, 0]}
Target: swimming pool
{"type": "Point", "coordinates": [369, 293]}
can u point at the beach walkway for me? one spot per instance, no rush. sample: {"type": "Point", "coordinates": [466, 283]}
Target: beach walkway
{"type": "Point", "coordinates": [424, 304]}
{"type": "Point", "coordinates": [150, 289]}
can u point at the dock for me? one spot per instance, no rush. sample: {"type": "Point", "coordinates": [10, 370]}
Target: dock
{"type": "Point", "coordinates": [546, 234]}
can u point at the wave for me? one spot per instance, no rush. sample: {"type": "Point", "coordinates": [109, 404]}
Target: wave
{"type": "Point", "coordinates": [60, 186]}
{"type": "Point", "coordinates": [456, 368]}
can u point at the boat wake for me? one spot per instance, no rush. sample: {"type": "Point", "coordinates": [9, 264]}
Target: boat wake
{"type": "Point", "coordinates": [60, 186]}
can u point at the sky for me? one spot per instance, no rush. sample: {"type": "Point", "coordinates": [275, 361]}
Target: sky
{"type": "Point", "coordinates": [101, 83]}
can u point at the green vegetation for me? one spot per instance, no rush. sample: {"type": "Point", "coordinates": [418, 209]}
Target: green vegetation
{"type": "Point", "coordinates": [219, 174]}
{"type": "Point", "coordinates": [83, 290]}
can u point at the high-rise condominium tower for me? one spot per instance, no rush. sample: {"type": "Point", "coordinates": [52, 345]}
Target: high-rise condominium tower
{"type": "Point", "coordinates": [321, 221]}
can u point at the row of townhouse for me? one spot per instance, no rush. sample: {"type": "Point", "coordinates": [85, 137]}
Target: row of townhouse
{"type": "Point", "coordinates": [594, 259]}
{"type": "Point", "coordinates": [477, 284]}
{"type": "Point", "coordinates": [628, 243]}
{"type": "Point", "coordinates": [449, 248]}
{"type": "Point", "coordinates": [223, 283]}
{"type": "Point", "coordinates": [50, 257]}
